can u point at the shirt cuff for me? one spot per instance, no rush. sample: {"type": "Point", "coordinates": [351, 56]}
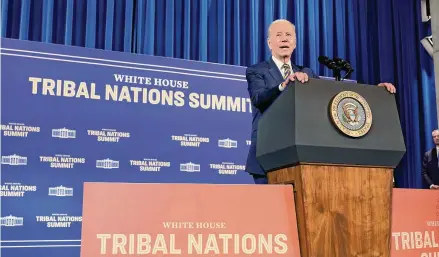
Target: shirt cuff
{"type": "Point", "coordinates": [281, 88]}
{"type": "Point", "coordinates": [431, 185]}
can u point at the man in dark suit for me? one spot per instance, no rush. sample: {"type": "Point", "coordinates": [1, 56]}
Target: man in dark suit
{"type": "Point", "coordinates": [266, 81]}
{"type": "Point", "coordinates": [430, 168]}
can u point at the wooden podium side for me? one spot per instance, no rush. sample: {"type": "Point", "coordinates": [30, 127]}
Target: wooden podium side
{"type": "Point", "coordinates": [341, 211]}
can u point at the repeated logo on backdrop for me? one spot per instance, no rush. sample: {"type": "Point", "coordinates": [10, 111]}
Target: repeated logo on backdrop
{"type": "Point", "coordinates": [67, 161]}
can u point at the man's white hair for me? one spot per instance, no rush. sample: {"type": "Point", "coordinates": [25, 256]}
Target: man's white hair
{"type": "Point", "coordinates": [280, 21]}
{"type": "Point", "coordinates": [436, 130]}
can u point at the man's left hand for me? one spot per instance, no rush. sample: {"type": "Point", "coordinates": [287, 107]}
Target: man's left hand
{"type": "Point", "coordinates": [300, 76]}
{"type": "Point", "coordinates": [389, 86]}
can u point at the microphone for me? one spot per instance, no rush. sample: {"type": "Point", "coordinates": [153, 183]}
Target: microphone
{"type": "Point", "coordinates": [343, 64]}
{"type": "Point", "coordinates": [337, 65]}
{"type": "Point", "coordinates": [328, 62]}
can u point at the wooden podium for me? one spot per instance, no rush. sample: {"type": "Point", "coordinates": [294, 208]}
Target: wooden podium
{"type": "Point", "coordinates": [309, 137]}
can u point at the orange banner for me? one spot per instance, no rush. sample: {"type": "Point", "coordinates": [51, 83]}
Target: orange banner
{"type": "Point", "coordinates": [415, 223]}
{"type": "Point", "coordinates": [188, 219]}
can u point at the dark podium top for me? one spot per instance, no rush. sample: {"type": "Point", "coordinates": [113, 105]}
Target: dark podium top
{"type": "Point", "coordinates": [298, 128]}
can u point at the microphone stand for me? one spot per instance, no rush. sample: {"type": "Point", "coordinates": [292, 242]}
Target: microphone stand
{"type": "Point", "coordinates": [347, 74]}
{"type": "Point", "coordinates": [337, 74]}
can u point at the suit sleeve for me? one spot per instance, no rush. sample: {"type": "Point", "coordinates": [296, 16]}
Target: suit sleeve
{"type": "Point", "coordinates": [427, 178]}
{"type": "Point", "coordinates": [315, 76]}
{"type": "Point", "coordinates": [311, 74]}
{"type": "Point", "coordinates": [260, 93]}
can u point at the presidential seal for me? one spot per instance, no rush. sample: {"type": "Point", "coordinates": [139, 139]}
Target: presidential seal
{"type": "Point", "coordinates": [351, 114]}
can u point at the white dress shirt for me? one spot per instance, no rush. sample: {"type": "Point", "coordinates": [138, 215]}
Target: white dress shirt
{"type": "Point", "coordinates": [279, 66]}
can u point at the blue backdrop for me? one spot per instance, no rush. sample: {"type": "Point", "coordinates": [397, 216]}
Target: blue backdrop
{"type": "Point", "coordinates": [71, 115]}
{"type": "Point", "coordinates": [380, 38]}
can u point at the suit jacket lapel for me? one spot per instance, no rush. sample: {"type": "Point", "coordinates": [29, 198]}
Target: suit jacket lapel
{"type": "Point", "coordinates": [274, 71]}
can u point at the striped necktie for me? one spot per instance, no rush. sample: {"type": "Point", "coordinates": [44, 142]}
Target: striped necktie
{"type": "Point", "coordinates": [287, 71]}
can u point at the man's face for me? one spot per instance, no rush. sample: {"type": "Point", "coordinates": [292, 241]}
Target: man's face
{"type": "Point", "coordinates": [436, 137]}
{"type": "Point", "coordinates": [282, 40]}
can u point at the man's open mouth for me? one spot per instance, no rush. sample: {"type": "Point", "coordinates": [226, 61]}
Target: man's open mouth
{"type": "Point", "coordinates": [284, 47]}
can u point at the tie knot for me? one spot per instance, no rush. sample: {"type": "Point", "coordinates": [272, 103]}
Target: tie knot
{"type": "Point", "coordinates": [285, 66]}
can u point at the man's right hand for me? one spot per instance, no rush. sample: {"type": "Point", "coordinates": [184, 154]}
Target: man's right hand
{"type": "Point", "coordinates": [285, 83]}
{"type": "Point", "coordinates": [434, 187]}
